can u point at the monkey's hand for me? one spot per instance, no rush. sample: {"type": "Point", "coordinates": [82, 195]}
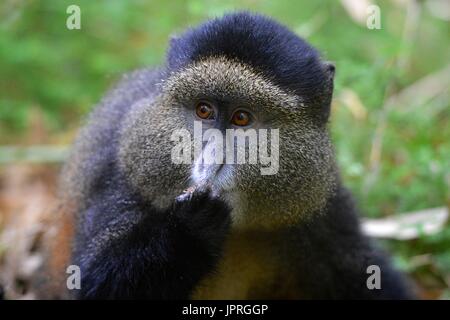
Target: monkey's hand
{"type": "Point", "coordinates": [163, 256]}
{"type": "Point", "coordinates": [203, 216]}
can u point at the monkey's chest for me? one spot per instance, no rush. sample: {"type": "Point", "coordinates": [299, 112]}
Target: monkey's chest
{"type": "Point", "coordinates": [247, 271]}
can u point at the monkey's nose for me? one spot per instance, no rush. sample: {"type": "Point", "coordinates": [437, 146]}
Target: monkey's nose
{"type": "Point", "coordinates": [204, 173]}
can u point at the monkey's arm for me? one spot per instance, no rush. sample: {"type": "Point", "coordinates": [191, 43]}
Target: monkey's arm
{"type": "Point", "coordinates": [333, 257]}
{"type": "Point", "coordinates": [163, 255]}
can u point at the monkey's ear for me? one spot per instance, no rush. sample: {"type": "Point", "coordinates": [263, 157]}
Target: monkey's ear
{"type": "Point", "coordinates": [330, 68]}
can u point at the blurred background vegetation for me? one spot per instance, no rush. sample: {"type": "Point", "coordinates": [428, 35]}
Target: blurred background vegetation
{"type": "Point", "coordinates": [390, 119]}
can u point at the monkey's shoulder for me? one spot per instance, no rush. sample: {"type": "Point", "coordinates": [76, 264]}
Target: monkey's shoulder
{"type": "Point", "coordinates": [93, 155]}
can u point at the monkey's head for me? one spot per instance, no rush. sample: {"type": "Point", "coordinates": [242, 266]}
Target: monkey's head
{"type": "Point", "coordinates": [247, 73]}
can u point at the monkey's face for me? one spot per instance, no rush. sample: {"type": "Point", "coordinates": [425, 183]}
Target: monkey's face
{"type": "Point", "coordinates": [257, 146]}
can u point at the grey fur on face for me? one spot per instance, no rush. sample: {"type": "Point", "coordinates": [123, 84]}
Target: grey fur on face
{"type": "Point", "coordinates": [306, 175]}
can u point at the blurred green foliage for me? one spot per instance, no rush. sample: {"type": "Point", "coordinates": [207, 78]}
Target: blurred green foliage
{"type": "Point", "coordinates": [63, 73]}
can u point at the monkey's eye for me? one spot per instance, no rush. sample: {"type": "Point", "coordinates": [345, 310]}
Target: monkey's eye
{"type": "Point", "coordinates": [204, 111]}
{"type": "Point", "coordinates": [241, 118]}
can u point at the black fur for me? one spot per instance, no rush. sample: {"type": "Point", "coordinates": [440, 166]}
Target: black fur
{"type": "Point", "coordinates": [332, 256]}
{"type": "Point", "coordinates": [156, 255]}
{"type": "Point", "coordinates": [128, 249]}
{"type": "Point", "coordinates": [262, 43]}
